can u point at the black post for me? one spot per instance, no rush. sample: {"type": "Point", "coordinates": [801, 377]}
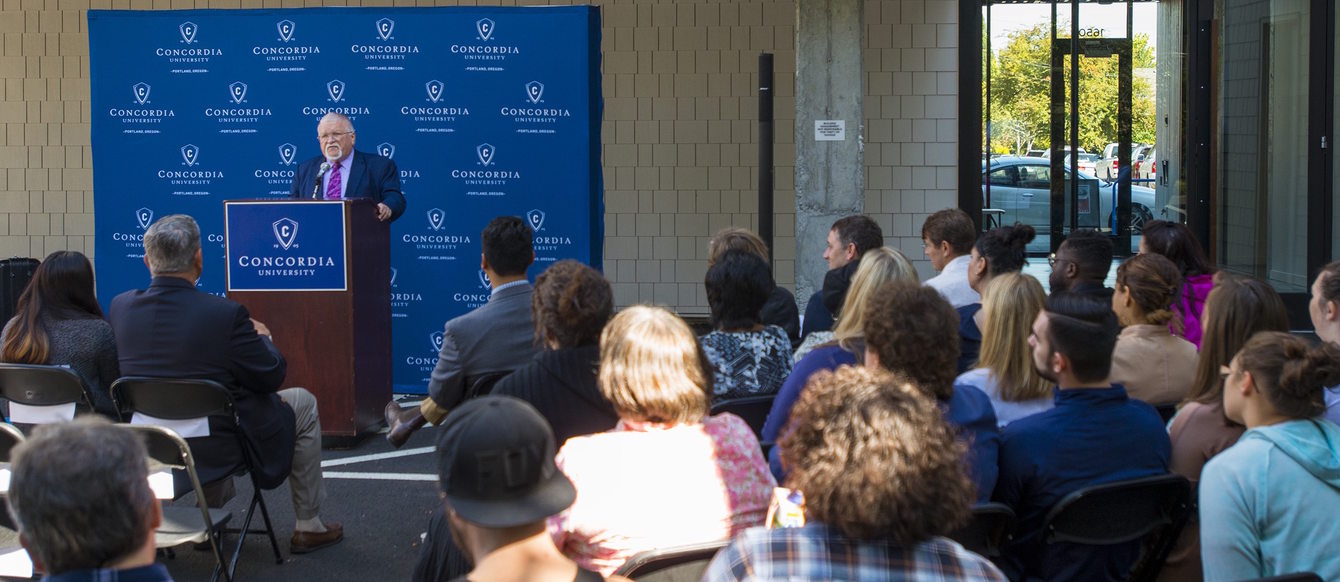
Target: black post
{"type": "Point", "coordinates": [765, 141]}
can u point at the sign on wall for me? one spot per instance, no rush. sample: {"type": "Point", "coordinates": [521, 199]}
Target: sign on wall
{"type": "Point", "coordinates": [485, 111]}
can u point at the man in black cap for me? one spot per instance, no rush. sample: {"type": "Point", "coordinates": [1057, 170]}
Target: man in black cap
{"type": "Point", "coordinates": [495, 464]}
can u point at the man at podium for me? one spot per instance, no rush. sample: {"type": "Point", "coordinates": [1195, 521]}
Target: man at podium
{"type": "Point", "coordinates": [342, 172]}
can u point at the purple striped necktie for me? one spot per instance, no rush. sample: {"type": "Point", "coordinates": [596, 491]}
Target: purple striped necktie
{"type": "Point", "coordinates": [333, 187]}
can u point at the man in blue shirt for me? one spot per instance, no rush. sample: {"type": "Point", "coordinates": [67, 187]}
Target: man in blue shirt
{"type": "Point", "coordinates": [1094, 435]}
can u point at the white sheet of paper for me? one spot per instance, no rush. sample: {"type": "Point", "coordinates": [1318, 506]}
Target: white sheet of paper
{"type": "Point", "coordinates": [189, 428]}
{"type": "Point", "coordinates": [15, 563]}
{"type": "Point", "coordinates": [40, 414]}
{"type": "Point", "coordinates": [4, 478]}
{"type": "Point", "coordinates": [160, 482]}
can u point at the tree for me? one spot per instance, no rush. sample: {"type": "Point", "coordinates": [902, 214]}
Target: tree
{"type": "Point", "coordinates": [1021, 94]}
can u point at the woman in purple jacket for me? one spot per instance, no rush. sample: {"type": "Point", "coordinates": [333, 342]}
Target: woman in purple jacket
{"type": "Point", "coordinates": [1175, 241]}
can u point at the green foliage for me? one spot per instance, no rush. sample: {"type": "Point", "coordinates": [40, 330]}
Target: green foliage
{"type": "Point", "coordinates": [1021, 94]}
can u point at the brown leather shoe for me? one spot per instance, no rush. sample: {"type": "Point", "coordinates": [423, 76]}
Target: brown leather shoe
{"type": "Point", "coordinates": [401, 423]}
{"type": "Point", "coordinates": [306, 541]}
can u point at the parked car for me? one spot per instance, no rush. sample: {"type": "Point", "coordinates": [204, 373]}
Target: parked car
{"type": "Point", "coordinates": [1088, 163]}
{"type": "Point", "coordinates": [1148, 167]}
{"type": "Point", "coordinates": [1109, 166]}
{"type": "Point", "coordinates": [1021, 189]}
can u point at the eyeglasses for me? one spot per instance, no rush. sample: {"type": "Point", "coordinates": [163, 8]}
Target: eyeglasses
{"type": "Point", "coordinates": [333, 135]}
{"type": "Point", "coordinates": [1051, 260]}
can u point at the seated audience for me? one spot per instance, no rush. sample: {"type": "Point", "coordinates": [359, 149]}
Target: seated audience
{"type": "Point", "coordinates": [57, 321]}
{"type": "Point", "coordinates": [845, 348]}
{"type": "Point", "coordinates": [747, 357]}
{"type": "Point", "coordinates": [79, 493]}
{"type": "Point", "coordinates": [780, 309]}
{"type": "Point", "coordinates": [495, 338]}
{"type": "Point", "coordinates": [1236, 308]}
{"type": "Point", "coordinates": [1094, 435]}
{"type": "Point", "coordinates": [668, 474]}
{"type": "Point", "coordinates": [946, 238]}
{"type": "Point", "coordinates": [998, 251]}
{"type": "Point", "coordinates": [498, 516]}
{"type": "Point", "coordinates": [909, 329]}
{"type": "Point", "coordinates": [570, 305]}
{"type": "Point", "coordinates": [1005, 371]}
{"type": "Point", "coordinates": [902, 271]}
{"type": "Point", "coordinates": [1081, 264]}
{"type": "Point", "coordinates": [848, 241]}
{"type": "Point", "coordinates": [1324, 309]}
{"type": "Point", "coordinates": [1268, 503]}
{"type": "Point", "coordinates": [1175, 241]}
{"type": "Point", "coordinates": [1149, 361]}
{"type": "Point", "coordinates": [174, 330]}
{"type": "Point", "coordinates": [859, 526]}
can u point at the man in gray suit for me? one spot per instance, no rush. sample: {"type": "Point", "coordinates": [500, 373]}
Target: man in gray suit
{"type": "Point", "coordinates": [494, 339]}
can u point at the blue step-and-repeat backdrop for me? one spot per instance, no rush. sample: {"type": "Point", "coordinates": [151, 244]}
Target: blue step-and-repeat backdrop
{"type": "Point", "coordinates": [486, 111]}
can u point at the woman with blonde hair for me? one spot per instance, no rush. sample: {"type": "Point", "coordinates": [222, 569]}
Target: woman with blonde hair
{"type": "Point", "coordinates": [1005, 371]}
{"type": "Point", "coordinates": [1153, 365]}
{"type": "Point", "coordinates": [846, 345]}
{"type": "Point", "coordinates": [668, 474]}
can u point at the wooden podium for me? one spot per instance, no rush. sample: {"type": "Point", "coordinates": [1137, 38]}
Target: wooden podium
{"type": "Point", "coordinates": [318, 274]}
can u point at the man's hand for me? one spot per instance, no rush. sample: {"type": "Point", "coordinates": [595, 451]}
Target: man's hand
{"type": "Point", "coordinates": [262, 329]}
{"type": "Point", "coordinates": [383, 212]}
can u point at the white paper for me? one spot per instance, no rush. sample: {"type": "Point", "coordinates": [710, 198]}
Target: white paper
{"type": "Point", "coordinates": [4, 478]}
{"type": "Point", "coordinates": [40, 414]}
{"type": "Point", "coordinates": [15, 563]}
{"type": "Point", "coordinates": [188, 428]}
{"type": "Point", "coordinates": [830, 130]}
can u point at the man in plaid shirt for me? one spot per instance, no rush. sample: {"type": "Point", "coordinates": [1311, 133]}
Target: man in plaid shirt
{"type": "Point", "coordinates": [883, 481]}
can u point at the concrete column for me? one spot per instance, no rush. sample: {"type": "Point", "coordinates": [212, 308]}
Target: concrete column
{"type": "Point", "coordinates": [830, 175]}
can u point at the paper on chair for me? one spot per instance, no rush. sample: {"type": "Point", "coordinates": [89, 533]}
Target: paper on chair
{"type": "Point", "coordinates": [188, 428]}
{"type": "Point", "coordinates": [40, 414]}
{"type": "Point", "coordinates": [15, 563]}
{"type": "Point", "coordinates": [160, 482]}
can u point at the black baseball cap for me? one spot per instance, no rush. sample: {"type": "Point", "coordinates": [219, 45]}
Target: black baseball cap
{"type": "Point", "coordinates": [495, 463]}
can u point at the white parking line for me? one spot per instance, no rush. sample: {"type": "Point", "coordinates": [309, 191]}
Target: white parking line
{"type": "Point", "coordinates": [379, 476]}
{"type": "Point", "coordinates": [376, 457]}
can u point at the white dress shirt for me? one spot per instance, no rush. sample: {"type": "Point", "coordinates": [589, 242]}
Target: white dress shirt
{"type": "Point", "coordinates": [952, 283]}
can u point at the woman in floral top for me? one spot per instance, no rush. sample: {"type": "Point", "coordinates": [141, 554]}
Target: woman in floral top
{"type": "Point", "coordinates": [668, 474]}
{"type": "Point", "coordinates": [747, 357]}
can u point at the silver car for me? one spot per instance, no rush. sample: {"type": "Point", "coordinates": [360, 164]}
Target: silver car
{"type": "Point", "coordinates": [1021, 192]}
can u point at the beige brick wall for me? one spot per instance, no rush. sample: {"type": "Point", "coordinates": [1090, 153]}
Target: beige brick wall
{"type": "Point", "coordinates": [680, 149]}
{"type": "Point", "coordinates": [911, 111]}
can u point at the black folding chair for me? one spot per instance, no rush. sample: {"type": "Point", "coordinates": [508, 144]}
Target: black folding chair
{"type": "Point", "coordinates": [183, 524]}
{"type": "Point", "coordinates": [1295, 577]}
{"type": "Point", "coordinates": [988, 530]}
{"type": "Point", "coordinates": [180, 399]}
{"type": "Point", "coordinates": [1166, 411]}
{"type": "Point", "coordinates": [677, 564]}
{"type": "Point", "coordinates": [752, 409]}
{"type": "Point", "coordinates": [10, 437]}
{"type": "Point", "coordinates": [1124, 511]}
{"type": "Point", "coordinates": [36, 385]}
{"type": "Point", "coordinates": [482, 384]}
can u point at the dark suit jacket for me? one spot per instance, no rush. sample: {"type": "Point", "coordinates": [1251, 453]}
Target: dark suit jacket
{"type": "Point", "coordinates": [173, 330]}
{"type": "Point", "coordinates": [370, 176]}
{"type": "Point", "coordinates": [498, 336]}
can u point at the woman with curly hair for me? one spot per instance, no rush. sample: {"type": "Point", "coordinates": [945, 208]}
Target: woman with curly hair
{"type": "Point", "coordinates": [1268, 503]}
{"type": "Point", "coordinates": [669, 473]}
{"type": "Point", "coordinates": [1149, 361]}
{"type": "Point", "coordinates": [883, 482]}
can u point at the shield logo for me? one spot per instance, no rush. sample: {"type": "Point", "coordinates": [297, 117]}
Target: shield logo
{"type": "Point", "coordinates": [394, 272]}
{"type": "Point", "coordinates": [141, 92]}
{"type": "Point", "coordinates": [484, 279]}
{"type": "Point", "coordinates": [435, 338]}
{"type": "Point", "coordinates": [435, 217]}
{"type": "Point", "coordinates": [485, 28]}
{"type": "Point", "coordinates": [485, 152]}
{"type": "Point", "coordinates": [534, 90]}
{"type": "Point", "coordinates": [386, 150]}
{"type": "Point", "coordinates": [336, 90]}
{"type": "Point", "coordinates": [187, 30]}
{"type": "Point", "coordinates": [434, 90]}
{"type": "Point", "coordinates": [145, 217]}
{"type": "Point", "coordinates": [190, 154]}
{"type": "Point", "coordinates": [286, 231]}
{"type": "Point", "coordinates": [237, 91]}
{"type": "Point", "coordinates": [285, 30]}
{"type": "Point", "coordinates": [286, 153]}
{"type": "Point", "coordinates": [535, 219]}
{"type": "Point", "coordinates": [384, 28]}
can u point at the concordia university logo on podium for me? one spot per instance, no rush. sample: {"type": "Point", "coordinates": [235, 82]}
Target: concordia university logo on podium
{"type": "Point", "coordinates": [286, 231]}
